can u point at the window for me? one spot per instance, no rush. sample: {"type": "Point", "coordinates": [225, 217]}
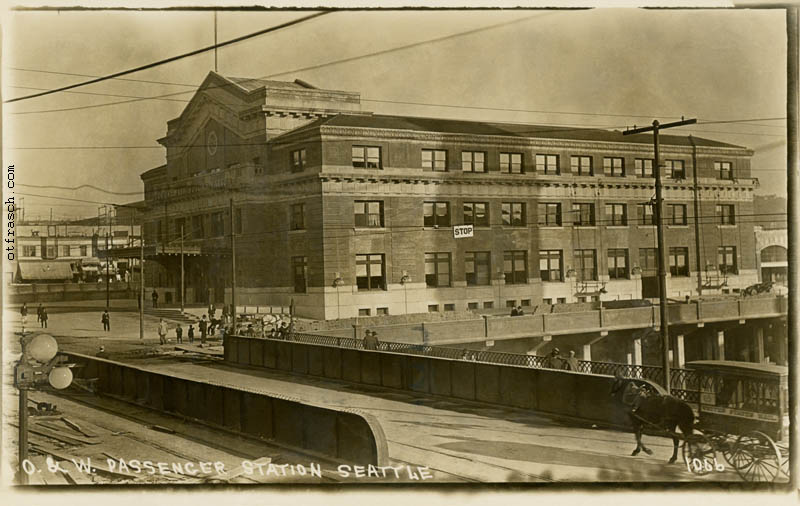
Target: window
{"type": "Point", "coordinates": [550, 214]}
{"type": "Point", "coordinates": [525, 302]}
{"type": "Point", "coordinates": [476, 213]}
{"type": "Point", "coordinates": [583, 214]}
{"type": "Point", "coordinates": [299, 160]}
{"type": "Point", "coordinates": [30, 251]}
{"type": "Point", "coordinates": [217, 224]}
{"type": "Point", "coordinates": [488, 304]}
{"type": "Point", "coordinates": [513, 214]}
{"type": "Point", "coordinates": [769, 254]}
{"type": "Point", "coordinates": [433, 308]}
{"type": "Point", "coordinates": [679, 262]}
{"type": "Point", "coordinates": [550, 265]}
{"type": "Point", "coordinates": [120, 233]}
{"type": "Point", "coordinates": [613, 166]}
{"type": "Point", "coordinates": [515, 267]}
{"type": "Point", "coordinates": [644, 214]}
{"type": "Point", "coordinates": [84, 251]}
{"type": "Point", "coordinates": [364, 311]}
{"type": "Point", "coordinates": [581, 165]}
{"type": "Point", "coordinates": [437, 269]}
{"type": "Point", "coordinates": [676, 214]}
{"type": "Point", "coordinates": [65, 251]}
{"type": "Point", "coordinates": [617, 214]}
{"type": "Point", "coordinates": [726, 214]}
{"type": "Point", "coordinates": [675, 169]}
{"type": "Point", "coordinates": [726, 260]}
{"type": "Point", "coordinates": [299, 266]}
{"type": "Point", "coordinates": [382, 311]}
{"type": "Point", "coordinates": [477, 265]}
{"type": "Point", "coordinates": [370, 272]}
{"type": "Point", "coordinates": [237, 221]}
{"type": "Point", "coordinates": [511, 303]}
{"type": "Point", "coordinates": [437, 214]}
{"type": "Point", "coordinates": [618, 264]}
{"type": "Point", "coordinates": [298, 216]}
{"type": "Point", "coordinates": [548, 301]}
{"type": "Point", "coordinates": [366, 157]}
{"type": "Point", "coordinates": [723, 170]}
{"type": "Point", "coordinates": [51, 252]}
{"type": "Point", "coordinates": [257, 167]}
{"type": "Point", "coordinates": [643, 167]}
{"type": "Point", "coordinates": [449, 307]}
{"type": "Point", "coordinates": [561, 300]}
{"type": "Point", "coordinates": [648, 261]}
{"type": "Point", "coordinates": [586, 264]}
{"type": "Point", "coordinates": [472, 305]}
{"type": "Point", "coordinates": [547, 164]}
{"type": "Point", "coordinates": [473, 161]}
{"type": "Point", "coordinates": [368, 213]}
{"type": "Point", "coordinates": [511, 163]}
{"type": "Point", "coordinates": [434, 159]}
{"type": "Point", "coordinates": [197, 227]}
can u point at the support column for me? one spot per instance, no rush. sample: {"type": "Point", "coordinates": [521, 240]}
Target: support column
{"type": "Point", "coordinates": [637, 352]}
{"type": "Point", "coordinates": [758, 345]}
{"type": "Point", "coordinates": [587, 352]}
{"type": "Point", "coordinates": [720, 345]}
{"type": "Point", "coordinates": [680, 354]}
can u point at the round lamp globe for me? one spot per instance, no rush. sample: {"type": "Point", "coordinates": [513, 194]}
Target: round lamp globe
{"type": "Point", "coordinates": [60, 377]}
{"type": "Point", "coordinates": [43, 348]}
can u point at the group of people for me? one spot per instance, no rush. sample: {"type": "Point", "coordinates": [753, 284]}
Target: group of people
{"type": "Point", "coordinates": [555, 361]}
{"type": "Point", "coordinates": [517, 311]}
{"type": "Point", "coordinates": [41, 315]}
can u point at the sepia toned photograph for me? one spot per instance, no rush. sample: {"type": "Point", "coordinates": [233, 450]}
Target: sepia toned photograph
{"type": "Point", "coordinates": [249, 247]}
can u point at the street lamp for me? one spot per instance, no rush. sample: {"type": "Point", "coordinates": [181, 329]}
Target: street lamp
{"type": "Point", "coordinates": [405, 280]}
{"type": "Point", "coordinates": [38, 364]}
{"type": "Point", "coordinates": [337, 282]}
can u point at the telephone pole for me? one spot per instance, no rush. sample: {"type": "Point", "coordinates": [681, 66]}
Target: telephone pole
{"type": "Point", "coordinates": [662, 253]}
{"type": "Point", "coordinates": [233, 266]}
{"type": "Point", "coordinates": [183, 290]}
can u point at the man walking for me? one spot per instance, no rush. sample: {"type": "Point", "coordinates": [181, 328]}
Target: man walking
{"type": "Point", "coordinates": [39, 313]}
{"type": "Point", "coordinates": [162, 331]}
{"type": "Point", "coordinates": [155, 298]}
{"type": "Point", "coordinates": [43, 318]}
{"type": "Point", "coordinates": [106, 319]}
{"type": "Point", "coordinates": [203, 325]}
{"type": "Point", "coordinates": [179, 334]}
{"type": "Point", "coordinates": [23, 313]}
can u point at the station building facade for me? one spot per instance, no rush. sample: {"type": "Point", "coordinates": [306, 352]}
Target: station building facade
{"type": "Point", "coordinates": [348, 213]}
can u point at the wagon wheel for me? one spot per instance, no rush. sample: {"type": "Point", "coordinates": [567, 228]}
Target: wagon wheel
{"type": "Point", "coordinates": [722, 444]}
{"type": "Point", "coordinates": [756, 457]}
{"type": "Point", "coordinates": [699, 454]}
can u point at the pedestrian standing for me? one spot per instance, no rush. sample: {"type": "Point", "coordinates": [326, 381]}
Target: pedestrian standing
{"type": "Point", "coordinates": [190, 334]}
{"type": "Point", "coordinates": [106, 319]}
{"type": "Point", "coordinates": [571, 362]}
{"type": "Point", "coordinates": [39, 313]}
{"type": "Point", "coordinates": [370, 340]}
{"type": "Point", "coordinates": [43, 317]}
{"type": "Point", "coordinates": [162, 331]}
{"type": "Point", "coordinates": [211, 311]}
{"type": "Point", "coordinates": [203, 326]}
{"type": "Point", "coordinates": [179, 334]}
{"type": "Point", "coordinates": [155, 298]}
{"type": "Point", "coordinates": [23, 313]}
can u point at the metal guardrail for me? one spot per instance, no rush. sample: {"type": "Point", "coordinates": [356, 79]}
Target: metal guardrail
{"type": "Point", "coordinates": [684, 383]}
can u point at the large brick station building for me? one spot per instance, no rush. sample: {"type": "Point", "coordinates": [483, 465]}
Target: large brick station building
{"type": "Point", "coordinates": [351, 213]}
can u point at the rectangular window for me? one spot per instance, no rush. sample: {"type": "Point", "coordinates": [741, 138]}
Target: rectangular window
{"type": "Point", "coordinates": [217, 224]}
{"type": "Point", "coordinates": [679, 262]}
{"type": "Point", "coordinates": [51, 252]}
{"type": "Point", "coordinates": [364, 311]}
{"type": "Point", "coordinates": [477, 265]}
{"type": "Point", "coordinates": [583, 214]}
{"type": "Point", "coordinates": [515, 267]}
{"type": "Point", "coordinates": [648, 261]}
{"type": "Point", "coordinates": [586, 264]}
{"type": "Point", "coordinates": [613, 166]}
{"type": "Point", "coordinates": [618, 264]}
{"type": "Point", "coordinates": [30, 251]}
{"type": "Point", "coordinates": [449, 307]}
{"type": "Point", "coordinates": [726, 214]}
{"type": "Point", "coordinates": [488, 304]}
{"type": "Point", "coordinates": [198, 231]}
{"type": "Point", "coordinates": [550, 214]}
{"type": "Point", "coordinates": [472, 305]}
{"type": "Point", "coordinates": [476, 213]}
{"type": "Point", "coordinates": [299, 160]}
{"type": "Point", "coordinates": [434, 159]}
{"type": "Point", "coordinates": [237, 221]}
{"type": "Point", "coordinates": [548, 301]}
{"type": "Point", "coordinates": [84, 251]}
{"type": "Point", "coordinates": [473, 161]}
{"type": "Point", "coordinates": [676, 214]}
{"type": "Point", "coordinates": [643, 167]}
{"type": "Point", "coordinates": [368, 213]}
{"type": "Point", "coordinates": [436, 214]}
{"type": "Point", "coordinates": [299, 266]}
{"type": "Point", "coordinates": [617, 215]}
{"type": "Point", "coordinates": [726, 260]}
{"type": "Point", "coordinates": [723, 170]}
{"type": "Point", "coordinates": [511, 303]}
{"type": "Point", "coordinates": [370, 272]}
{"type": "Point", "coordinates": [561, 300]}
{"type": "Point", "coordinates": [433, 308]}
{"type": "Point", "coordinates": [65, 251]}
{"type": "Point", "coordinates": [644, 214]}
{"type": "Point", "coordinates": [511, 163]}
{"type": "Point", "coordinates": [367, 157]}
{"type": "Point", "coordinates": [298, 216]}
{"type": "Point", "coordinates": [382, 311]}
{"type": "Point", "coordinates": [437, 269]}
{"type": "Point", "coordinates": [513, 214]}
{"type": "Point", "coordinates": [675, 169]}
{"type": "Point", "coordinates": [525, 302]}
{"type": "Point", "coordinates": [581, 165]}
{"type": "Point", "coordinates": [547, 164]}
{"type": "Point", "coordinates": [550, 265]}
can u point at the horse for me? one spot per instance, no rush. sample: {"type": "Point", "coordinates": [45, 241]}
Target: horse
{"type": "Point", "coordinates": [646, 406]}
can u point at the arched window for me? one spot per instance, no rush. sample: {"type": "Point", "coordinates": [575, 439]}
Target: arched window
{"type": "Point", "coordinates": [773, 254]}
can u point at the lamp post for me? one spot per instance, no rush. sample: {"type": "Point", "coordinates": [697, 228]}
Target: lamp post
{"type": "Point", "coordinates": [337, 282]}
{"type": "Point", "coordinates": [405, 280]}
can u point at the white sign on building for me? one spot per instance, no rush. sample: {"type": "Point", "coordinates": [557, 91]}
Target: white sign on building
{"type": "Point", "coordinates": [460, 231]}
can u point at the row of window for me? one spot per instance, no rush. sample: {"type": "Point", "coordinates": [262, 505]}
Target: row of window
{"type": "Point", "coordinates": [199, 226]}
{"type": "Point", "coordinates": [371, 268]}
{"type": "Point", "coordinates": [436, 160]}
{"type": "Point", "coordinates": [54, 251]}
{"type": "Point", "coordinates": [370, 214]}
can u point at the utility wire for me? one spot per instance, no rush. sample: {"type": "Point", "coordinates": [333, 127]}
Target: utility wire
{"type": "Point", "coordinates": [173, 58]}
{"type": "Point", "coordinates": [79, 188]}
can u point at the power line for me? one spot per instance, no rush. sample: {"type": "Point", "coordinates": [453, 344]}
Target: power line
{"type": "Point", "coordinates": [79, 188]}
{"type": "Point", "coordinates": [173, 58]}
{"type": "Point", "coordinates": [103, 94]}
{"type": "Point", "coordinates": [94, 75]}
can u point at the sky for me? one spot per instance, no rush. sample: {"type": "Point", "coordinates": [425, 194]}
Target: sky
{"type": "Point", "coordinates": [607, 68]}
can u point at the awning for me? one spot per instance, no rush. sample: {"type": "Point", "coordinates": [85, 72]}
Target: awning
{"type": "Point", "coordinates": [44, 271]}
